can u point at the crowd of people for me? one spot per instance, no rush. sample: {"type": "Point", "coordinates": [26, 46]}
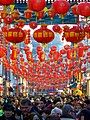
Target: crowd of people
{"type": "Point", "coordinates": [45, 108]}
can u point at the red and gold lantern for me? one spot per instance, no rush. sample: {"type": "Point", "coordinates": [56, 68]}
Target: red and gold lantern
{"type": "Point", "coordinates": [43, 35]}
{"type": "Point", "coordinates": [14, 35]}
{"type": "Point", "coordinates": [74, 34]}
{"type": "Point", "coordinates": [27, 14]}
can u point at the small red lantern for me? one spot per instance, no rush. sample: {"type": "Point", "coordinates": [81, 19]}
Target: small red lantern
{"type": "Point", "coordinates": [57, 29]}
{"type": "Point", "coordinates": [80, 51]}
{"type": "Point", "coordinates": [69, 53]}
{"type": "Point", "coordinates": [6, 2]}
{"type": "Point", "coordinates": [14, 54]}
{"type": "Point", "coordinates": [20, 23]}
{"type": "Point", "coordinates": [33, 25]}
{"type": "Point", "coordinates": [51, 13]}
{"type": "Point", "coordinates": [36, 5]}
{"type": "Point", "coordinates": [27, 14]}
{"type": "Point", "coordinates": [40, 14]}
{"type": "Point", "coordinates": [8, 19]}
{"type": "Point", "coordinates": [15, 14]}
{"type": "Point", "coordinates": [84, 9]}
{"type": "Point", "coordinates": [43, 35]}
{"type": "Point", "coordinates": [61, 6]}
{"type": "Point", "coordinates": [14, 35]}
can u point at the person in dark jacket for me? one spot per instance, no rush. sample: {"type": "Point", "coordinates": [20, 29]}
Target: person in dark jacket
{"type": "Point", "coordinates": [85, 113]}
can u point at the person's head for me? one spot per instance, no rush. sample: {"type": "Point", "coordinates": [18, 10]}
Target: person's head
{"type": "Point", "coordinates": [8, 110]}
{"type": "Point", "coordinates": [87, 102]}
{"type": "Point", "coordinates": [25, 106]}
{"type": "Point", "coordinates": [56, 112]}
{"type": "Point", "coordinates": [17, 114]}
{"type": "Point", "coordinates": [68, 110]}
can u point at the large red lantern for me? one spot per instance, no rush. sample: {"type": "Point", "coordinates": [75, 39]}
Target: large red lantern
{"type": "Point", "coordinates": [14, 35]}
{"type": "Point", "coordinates": [6, 2]}
{"type": "Point", "coordinates": [61, 6]}
{"type": "Point", "coordinates": [36, 5]}
{"type": "Point", "coordinates": [43, 35]}
{"type": "Point", "coordinates": [74, 34]}
{"type": "Point", "coordinates": [84, 9]}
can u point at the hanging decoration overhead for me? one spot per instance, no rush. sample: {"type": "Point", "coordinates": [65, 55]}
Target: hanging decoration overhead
{"type": "Point", "coordinates": [36, 5]}
{"type": "Point", "coordinates": [43, 35]}
{"type": "Point", "coordinates": [61, 7]}
{"type": "Point", "coordinates": [14, 35]}
{"type": "Point", "coordinates": [6, 2]}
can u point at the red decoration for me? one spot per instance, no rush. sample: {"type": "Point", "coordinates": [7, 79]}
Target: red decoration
{"type": "Point", "coordinates": [40, 14]}
{"type": "Point", "coordinates": [14, 35]}
{"type": "Point", "coordinates": [69, 53]}
{"type": "Point", "coordinates": [56, 28]}
{"type": "Point", "coordinates": [3, 14]}
{"type": "Point", "coordinates": [33, 25]}
{"type": "Point", "coordinates": [74, 34]}
{"type": "Point", "coordinates": [8, 19]}
{"type": "Point", "coordinates": [27, 14]}
{"type": "Point", "coordinates": [6, 2]}
{"type": "Point", "coordinates": [61, 6]}
{"type": "Point", "coordinates": [2, 51]}
{"type": "Point", "coordinates": [15, 14]}
{"type": "Point", "coordinates": [43, 35]}
{"type": "Point", "coordinates": [20, 23]}
{"type": "Point", "coordinates": [84, 9]}
{"type": "Point", "coordinates": [75, 10]}
{"type": "Point", "coordinates": [51, 13]}
{"type": "Point", "coordinates": [80, 51]}
{"type": "Point", "coordinates": [36, 5]}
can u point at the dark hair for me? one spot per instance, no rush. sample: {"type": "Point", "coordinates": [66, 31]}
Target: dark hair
{"type": "Point", "coordinates": [8, 107]}
{"type": "Point", "coordinates": [25, 101]}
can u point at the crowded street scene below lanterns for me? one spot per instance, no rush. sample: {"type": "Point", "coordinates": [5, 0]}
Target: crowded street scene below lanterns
{"type": "Point", "coordinates": [44, 60]}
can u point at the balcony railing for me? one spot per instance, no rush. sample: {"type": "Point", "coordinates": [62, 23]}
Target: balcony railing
{"type": "Point", "coordinates": [51, 1]}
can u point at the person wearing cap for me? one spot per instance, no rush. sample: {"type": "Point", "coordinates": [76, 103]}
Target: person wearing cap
{"type": "Point", "coordinates": [85, 112]}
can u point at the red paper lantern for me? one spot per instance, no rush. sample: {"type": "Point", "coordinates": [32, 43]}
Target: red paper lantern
{"type": "Point", "coordinates": [61, 6]}
{"type": "Point", "coordinates": [80, 51]}
{"type": "Point", "coordinates": [36, 5]}
{"type": "Point", "coordinates": [33, 25]}
{"type": "Point", "coordinates": [43, 35]}
{"type": "Point", "coordinates": [20, 23]}
{"type": "Point", "coordinates": [69, 53]}
{"type": "Point", "coordinates": [84, 9]}
{"type": "Point", "coordinates": [27, 14]}
{"type": "Point", "coordinates": [74, 34]}
{"type": "Point", "coordinates": [57, 29]}
{"type": "Point", "coordinates": [14, 35]}
{"type": "Point", "coordinates": [8, 19]}
{"type": "Point", "coordinates": [6, 2]}
{"type": "Point", "coordinates": [15, 14]}
{"type": "Point", "coordinates": [51, 13]}
{"type": "Point", "coordinates": [40, 14]}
